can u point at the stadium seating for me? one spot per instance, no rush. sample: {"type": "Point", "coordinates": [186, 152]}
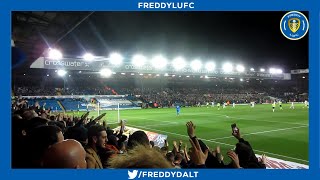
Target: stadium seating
{"type": "Point", "coordinates": [74, 104]}
{"type": "Point", "coordinates": [49, 103]}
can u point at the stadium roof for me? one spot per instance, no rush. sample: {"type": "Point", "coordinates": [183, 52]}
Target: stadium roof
{"type": "Point", "coordinates": [32, 32]}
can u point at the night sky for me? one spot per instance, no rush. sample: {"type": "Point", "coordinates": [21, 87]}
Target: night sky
{"type": "Point", "coordinates": [251, 38]}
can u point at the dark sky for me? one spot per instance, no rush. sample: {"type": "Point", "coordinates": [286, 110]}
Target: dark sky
{"type": "Point", "coordinates": [251, 38]}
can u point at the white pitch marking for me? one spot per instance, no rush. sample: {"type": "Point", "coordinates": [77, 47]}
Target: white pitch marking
{"type": "Point", "coordinates": [262, 132]}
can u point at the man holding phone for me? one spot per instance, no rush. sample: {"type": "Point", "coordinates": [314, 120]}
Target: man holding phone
{"type": "Point", "coordinates": [246, 155]}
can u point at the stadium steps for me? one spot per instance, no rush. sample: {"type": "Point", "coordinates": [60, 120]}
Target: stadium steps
{"type": "Point", "coordinates": [61, 106]}
{"type": "Point", "coordinates": [134, 103]}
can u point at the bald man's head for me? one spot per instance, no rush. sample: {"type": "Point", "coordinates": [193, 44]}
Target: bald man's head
{"type": "Point", "coordinates": [29, 114]}
{"type": "Point", "coordinates": [66, 154]}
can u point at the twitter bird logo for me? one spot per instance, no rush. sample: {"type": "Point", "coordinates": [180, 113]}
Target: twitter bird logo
{"type": "Point", "coordinates": [132, 174]}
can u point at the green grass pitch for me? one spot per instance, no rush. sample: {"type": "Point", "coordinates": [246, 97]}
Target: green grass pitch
{"type": "Point", "coordinates": [281, 134]}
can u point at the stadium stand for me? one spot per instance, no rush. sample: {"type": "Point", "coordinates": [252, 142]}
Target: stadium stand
{"type": "Point", "coordinates": [183, 96]}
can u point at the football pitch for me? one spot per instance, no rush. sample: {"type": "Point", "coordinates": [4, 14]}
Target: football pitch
{"type": "Point", "coordinates": [282, 134]}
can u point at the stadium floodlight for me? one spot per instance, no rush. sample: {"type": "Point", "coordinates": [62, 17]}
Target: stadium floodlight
{"type": "Point", "coordinates": [272, 71]}
{"type": "Point", "coordinates": [241, 79]}
{"type": "Point", "coordinates": [251, 69]}
{"type": "Point", "coordinates": [105, 72]}
{"type": "Point", "coordinates": [159, 62]}
{"type": "Point", "coordinates": [115, 58]}
{"type": "Point", "coordinates": [227, 67]}
{"type": "Point", "coordinates": [178, 63]}
{"type": "Point", "coordinates": [88, 57]}
{"type": "Point", "coordinates": [210, 66]}
{"type": "Point", "coordinates": [262, 70]}
{"type": "Point", "coordinates": [138, 60]}
{"type": "Point", "coordinates": [240, 68]}
{"type": "Point", "coordinates": [61, 72]}
{"type": "Point", "coordinates": [54, 54]}
{"type": "Point", "coordinates": [196, 65]}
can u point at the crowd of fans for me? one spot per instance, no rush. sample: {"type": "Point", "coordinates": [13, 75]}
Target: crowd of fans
{"type": "Point", "coordinates": [193, 97]}
{"type": "Point", "coordinates": [34, 91]}
{"type": "Point", "coordinates": [47, 91]}
{"type": "Point", "coordinates": [166, 97]}
{"type": "Point", "coordinates": [41, 140]}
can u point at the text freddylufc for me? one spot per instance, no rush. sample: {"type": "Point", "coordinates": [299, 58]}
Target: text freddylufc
{"type": "Point", "coordinates": [166, 5]}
